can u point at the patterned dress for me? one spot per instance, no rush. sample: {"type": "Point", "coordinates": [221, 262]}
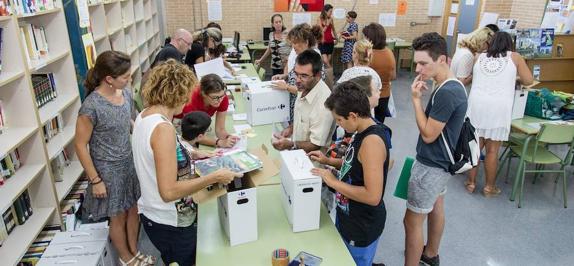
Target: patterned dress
{"type": "Point", "coordinates": [347, 53]}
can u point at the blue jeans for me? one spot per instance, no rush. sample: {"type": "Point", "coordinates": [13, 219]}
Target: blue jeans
{"type": "Point", "coordinates": [363, 256]}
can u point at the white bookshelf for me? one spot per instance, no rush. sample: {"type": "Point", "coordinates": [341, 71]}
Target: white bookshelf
{"type": "Point", "coordinates": [24, 120]}
{"type": "Point", "coordinates": [129, 26]}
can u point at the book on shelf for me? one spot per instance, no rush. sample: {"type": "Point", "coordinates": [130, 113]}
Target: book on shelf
{"type": "Point", "coordinates": [5, 8]}
{"type": "Point", "coordinates": [34, 37]}
{"type": "Point", "coordinates": [29, 7]}
{"type": "Point", "coordinates": [72, 204]}
{"type": "Point", "coordinates": [2, 117]}
{"type": "Point", "coordinates": [9, 164]}
{"type": "Point", "coordinates": [1, 41]}
{"type": "Point", "coordinates": [9, 218]}
{"type": "Point", "coordinates": [40, 244]}
{"type": "Point", "coordinates": [53, 127]}
{"type": "Point", "coordinates": [534, 42]}
{"type": "Point", "coordinates": [58, 164]}
{"type": "Point", "coordinates": [44, 86]}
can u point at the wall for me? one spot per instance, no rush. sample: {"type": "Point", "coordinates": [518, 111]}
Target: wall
{"type": "Point", "coordinates": [528, 13]}
{"type": "Point", "coordinates": [249, 16]}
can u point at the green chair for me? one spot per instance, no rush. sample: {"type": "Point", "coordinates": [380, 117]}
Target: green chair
{"type": "Point", "coordinates": [535, 153]}
{"type": "Point", "coordinates": [515, 138]}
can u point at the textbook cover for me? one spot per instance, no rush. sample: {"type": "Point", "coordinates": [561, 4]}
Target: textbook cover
{"type": "Point", "coordinates": [240, 162]}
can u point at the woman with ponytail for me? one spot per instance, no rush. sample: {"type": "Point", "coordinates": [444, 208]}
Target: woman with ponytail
{"type": "Point", "coordinates": [103, 146]}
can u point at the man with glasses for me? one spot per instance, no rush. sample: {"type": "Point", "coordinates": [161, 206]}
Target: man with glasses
{"type": "Point", "coordinates": [312, 122]}
{"type": "Point", "coordinates": [176, 49]}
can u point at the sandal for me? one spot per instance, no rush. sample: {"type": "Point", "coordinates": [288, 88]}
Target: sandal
{"type": "Point", "coordinates": [129, 262]}
{"type": "Point", "coordinates": [469, 186]}
{"type": "Point", "coordinates": [491, 192]}
{"type": "Point", "coordinates": [147, 259]}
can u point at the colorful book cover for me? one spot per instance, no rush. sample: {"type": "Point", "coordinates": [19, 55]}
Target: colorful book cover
{"type": "Point", "coordinates": [240, 162]}
{"type": "Point", "coordinates": [546, 43]}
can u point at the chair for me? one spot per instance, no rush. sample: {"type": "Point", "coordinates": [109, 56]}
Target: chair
{"type": "Point", "coordinates": [540, 155]}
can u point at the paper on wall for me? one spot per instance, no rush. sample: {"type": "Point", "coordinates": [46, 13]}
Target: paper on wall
{"type": "Point", "coordinates": [454, 8]}
{"type": "Point", "coordinates": [451, 26]}
{"type": "Point", "coordinates": [339, 13]}
{"type": "Point", "coordinates": [214, 10]}
{"type": "Point", "coordinates": [488, 18]}
{"type": "Point", "coordinates": [299, 18]}
{"type": "Point", "coordinates": [470, 2]}
{"type": "Point", "coordinates": [373, 2]}
{"type": "Point", "coordinates": [388, 19]}
{"type": "Point", "coordinates": [83, 13]}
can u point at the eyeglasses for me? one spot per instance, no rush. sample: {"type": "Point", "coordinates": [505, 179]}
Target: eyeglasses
{"type": "Point", "coordinates": [303, 77]}
{"type": "Point", "coordinates": [216, 98]}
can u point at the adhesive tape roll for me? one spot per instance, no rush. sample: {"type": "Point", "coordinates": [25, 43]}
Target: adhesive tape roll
{"type": "Point", "coordinates": [280, 257]}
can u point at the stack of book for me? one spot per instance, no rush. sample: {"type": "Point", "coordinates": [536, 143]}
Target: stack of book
{"type": "Point", "coordinates": [36, 250]}
{"type": "Point", "coordinates": [2, 117]}
{"type": "Point", "coordinates": [59, 163]}
{"type": "Point", "coordinates": [5, 8]}
{"type": "Point", "coordinates": [44, 88]}
{"type": "Point", "coordinates": [53, 127]}
{"type": "Point", "coordinates": [71, 205]}
{"type": "Point", "coordinates": [36, 42]}
{"type": "Point", "coordinates": [1, 40]}
{"type": "Point", "coordinates": [17, 214]}
{"type": "Point", "coordinates": [29, 7]}
{"type": "Point", "coordinates": [9, 164]}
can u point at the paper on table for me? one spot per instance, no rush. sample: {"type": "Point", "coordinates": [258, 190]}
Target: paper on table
{"type": "Point", "coordinates": [451, 26]}
{"type": "Point", "coordinates": [242, 129]}
{"type": "Point", "coordinates": [299, 18]}
{"type": "Point", "coordinates": [240, 145]}
{"type": "Point", "coordinates": [214, 10]}
{"type": "Point", "coordinates": [214, 66]}
{"type": "Point", "coordinates": [387, 19]}
{"type": "Point", "coordinates": [240, 117]}
{"type": "Point", "coordinates": [339, 13]}
{"type": "Point", "coordinates": [488, 18]}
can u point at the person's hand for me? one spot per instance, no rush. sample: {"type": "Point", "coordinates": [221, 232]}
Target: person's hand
{"type": "Point", "coordinates": [278, 77]}
{"type": "Point", "coordinates": [225, 176]}
{"type": "Point", "coordinates": [202, 154]}
{"type": "Point", "coordinates": [287, 132]}
{"type": "Point", "coordinates": [318, 156]}
{"type": "Point", "coordinates": [280, 85]}
{"type": "Point", "coordinates": [257, 62]}
{"type": "Point", "coordinates": [418, 86]}
{"type": "Point", "coordinates": [325, 174]}
{"type": "Point", "coordinates": [99, 190]}
{"type": "Point", "coordinates": [228, 142]}
{"type": "Point", "coordinates": [282, 144]}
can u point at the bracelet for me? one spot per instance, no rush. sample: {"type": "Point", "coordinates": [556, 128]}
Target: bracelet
{"type": "Point", "coordinates": [95, 183]}
{"type": "Point", "coordinates": [216, 141]}
{"type": "Point", "coordinates": [98, 178]}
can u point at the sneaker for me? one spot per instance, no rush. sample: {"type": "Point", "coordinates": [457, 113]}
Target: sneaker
{"type": "Point", "coordinates": [434, 261]}
{"type": "Point", "coordinates": [378, 264]}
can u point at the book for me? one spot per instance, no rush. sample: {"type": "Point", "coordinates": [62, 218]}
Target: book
{"type": "Point", "coordinates": [44, 87]}
{"type": "Point", "coordinates": [9, 219]}
{"type": "Point", "coordinates": [534, 42]}
{"type": "Point", "coordinates": [1, 39]}
{"type": "Point", "coordinates": [240, 162]}
{"type": "Point", "coordinates": [27, 202]}
{"type": "Point", "coordinates": [2, 117]}
{"type": "Point", "coordinates": [20, 211]}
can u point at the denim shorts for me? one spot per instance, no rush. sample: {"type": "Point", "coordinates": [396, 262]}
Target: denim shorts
{"type": "Point", "coordinates": [425, 186]}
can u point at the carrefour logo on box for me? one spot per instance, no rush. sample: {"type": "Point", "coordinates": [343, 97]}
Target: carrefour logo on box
{"type": "Point", "coordinates": [271, 108]}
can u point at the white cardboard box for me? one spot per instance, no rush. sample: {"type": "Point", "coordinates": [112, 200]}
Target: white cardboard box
{"type": "Point", "coordinates": [265, 105]}
{"type": "Point", "coordinates": [238, 209]}
{"type": "Point", "coordinates": [84, 260]}
{"type": "Point", "coordinates": [301, 195]}
{"type": "Point", "coordinates": [238, 214]}
{"type": "Point", "coordinates": [82, 243]}
{"type": "Point", "coordinates": [519, 104]}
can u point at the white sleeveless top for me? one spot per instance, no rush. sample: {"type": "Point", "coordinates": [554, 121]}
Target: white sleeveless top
{"type": "Point", "coordinates": [492, 92]}
{"type": "Point", "coordinates": [150, 203]}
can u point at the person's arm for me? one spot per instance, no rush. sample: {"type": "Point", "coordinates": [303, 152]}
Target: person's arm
{"type": "Point", "coordinates": [429, 128]}
{"type": "Point", "coordinates": [464, 70]}
{"type": "Point", "coordinates": [264, 56]}
{"type": "Point", "coordinates": [354, 36]}
{"type": "Point", "coordinates": [229, 67]}
{"type": "Point", "coordinates": [333, 30]}
{"type": "Point", "coordinates": [224, 139]}
{"type": "Point", "coordinates": [372, 156]}
{"type": "Point", "coordinates": [392, 67]}
{"type": "Point", "coordinates": [319, 157]}
{"type": "Point", "coordinates": [163, 145]}
{"type": "Point", "coordinates": [524, 73]}
{"type": "Point", "coordinates": [282, 85]}
{"type": "Point", "coordinates": [84, 129]}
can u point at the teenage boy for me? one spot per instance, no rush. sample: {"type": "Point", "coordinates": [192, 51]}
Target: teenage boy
{"type": "Point", "coordinates": [429, 175]}
{"type": "Point", "coordinates": [193, 128]}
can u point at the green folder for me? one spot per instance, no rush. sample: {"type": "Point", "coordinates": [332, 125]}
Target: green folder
{"type": "Point", "coordinates": [401, 190]}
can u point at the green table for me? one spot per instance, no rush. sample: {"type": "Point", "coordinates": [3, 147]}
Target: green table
{"type": "Point", "coordinates": [274, 232]}
{"type": "Point", "coordinates": [245, 57]}
{"type": "Point", "coordinates": [246, 69]}
{"type": "Point", "coordinates": [523, 126]}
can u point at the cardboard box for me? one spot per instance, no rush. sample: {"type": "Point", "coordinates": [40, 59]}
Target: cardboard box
{"type": "Point", "coordinates": [83, 260]}
{"type": "Point", "coordinates": [301, 195]}
{"type": "Point", "coordinates": [237, 208]}
{"type": "Point", "coordinates": [519, 104]}
{"type": "Point", "coordinates": [265, 105]}
{"type": "Point", "coordinates": [82, 243]}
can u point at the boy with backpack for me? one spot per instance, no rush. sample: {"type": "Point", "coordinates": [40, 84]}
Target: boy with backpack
{"type": "Point", "coordinates": [445, 114]}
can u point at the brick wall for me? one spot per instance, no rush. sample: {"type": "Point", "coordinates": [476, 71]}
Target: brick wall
{"type": "Point", "coordinates": [501, 7]}
{"type": "Point", "coordinates": [249, 16]}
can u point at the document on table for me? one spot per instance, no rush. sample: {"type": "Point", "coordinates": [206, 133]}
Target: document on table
{"type": "Point", "coordinates": [240, 117]}
{"type": "Point", "coordinates": [242, 129]}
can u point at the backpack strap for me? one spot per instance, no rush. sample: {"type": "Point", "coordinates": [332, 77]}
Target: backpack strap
{"type": "Point", "coordinates": [448, 149]}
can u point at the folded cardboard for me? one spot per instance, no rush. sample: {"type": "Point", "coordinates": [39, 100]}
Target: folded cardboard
{"type": "Point", "coordinates": [265, 105]}
{"type": "Point", "coordinates": [237, 207]}
{"type": "Point", "coordinates": [519, 104]}
{"type": "Point", "coordinates": [301, 195]}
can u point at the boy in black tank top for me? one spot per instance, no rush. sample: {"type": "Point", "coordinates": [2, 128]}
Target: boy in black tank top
{"type": "Point", "coordinates": [361, 181]}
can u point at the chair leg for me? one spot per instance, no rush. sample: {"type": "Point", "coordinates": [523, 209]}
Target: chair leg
{"type": "Point", "coordinates": [504, 158]}
{"type": "Point", "coordinates": [508, 167]}
{"type": "Point", "coordinates": [538, 167]}
{"type": "Point", "coordinates": [564, 190]}
{"type": "Point", "coordinates": [521, 191]}
{"type": "Point", "coordinates": [516, 180]}
{"type": "Point", "coordinates": [506, 149]}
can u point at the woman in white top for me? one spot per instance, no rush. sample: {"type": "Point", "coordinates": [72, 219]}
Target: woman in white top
{"type": "Point", "coordinates": [362, 55]}
{"type": "Point", "coordinates": [463, 60]}
{"type": "Point", "coordinates": [490, 102]}
{"type": "Point", "coordinates": [162, 164]}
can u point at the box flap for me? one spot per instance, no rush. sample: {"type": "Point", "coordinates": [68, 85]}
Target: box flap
{"type": "Point", "coordinates": [298, 164]}
{"type": "Point", "coordinates": [205, 195]}
{"type": "Point", "coordinates": [269, 168]}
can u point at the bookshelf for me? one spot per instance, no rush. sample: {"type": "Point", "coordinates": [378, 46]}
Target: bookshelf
{"type": "Point", "coordinates": [556, 72]}
{"type": "Point", "coordinates": [130, 26]}
{"type": "Point", "coordinates": [25, 118]}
